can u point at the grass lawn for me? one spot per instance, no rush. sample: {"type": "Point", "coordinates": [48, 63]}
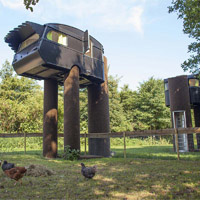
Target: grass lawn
{"type": "Point", "coordinates": [148, 172]}
{"type": "Point", "coordinates": [117, 178]}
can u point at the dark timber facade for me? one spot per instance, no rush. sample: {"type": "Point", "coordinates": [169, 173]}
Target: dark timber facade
{"type": "Point", "coordinates": [182, 93]}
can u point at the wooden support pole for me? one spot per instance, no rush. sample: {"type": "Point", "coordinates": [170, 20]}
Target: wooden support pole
{"type": "Point", "coordinates": [24, 143]}
{"type": "Point", "coordinates": [177, 145]}
{"type": "Point", "coordinates": [71, 109]}
{"type": "Point", "coordinates": [98, 116]}
{"type": "Point", "coordinates": [197, 123]}
{"type": "Point", "coordinates": [124, 135]}
{"type": "Point", "coordinates": [50, 119]}
{"type": "Point", "coordinates": [85, 144]}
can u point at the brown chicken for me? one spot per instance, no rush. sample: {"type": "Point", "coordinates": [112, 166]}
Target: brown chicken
{"type": "Point", "coordinates": [16, 173]}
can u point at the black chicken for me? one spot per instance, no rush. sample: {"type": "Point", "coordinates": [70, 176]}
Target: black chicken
{"type": "Point", "coordinates": [88, 172]}
{"type": "Point", "coordinates": [7, 166]}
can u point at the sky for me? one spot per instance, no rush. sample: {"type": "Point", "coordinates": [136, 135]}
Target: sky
{"type": "Point", "coordinates": [140, 38]}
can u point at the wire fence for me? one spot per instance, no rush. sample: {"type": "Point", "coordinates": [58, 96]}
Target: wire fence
{"type": "Point", "coordinates": [132, 134]}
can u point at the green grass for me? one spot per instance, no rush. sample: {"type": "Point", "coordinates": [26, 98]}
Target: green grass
{"type": "Point", "coordinates": [150, 171]}
{"type": "Point", "coordinates": [117, 178]}
{"type": "Point", "coordinates": [154, 152]}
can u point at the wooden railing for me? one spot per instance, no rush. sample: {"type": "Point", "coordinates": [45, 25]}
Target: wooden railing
{"type": "Point", "coordinates": [161, 132]}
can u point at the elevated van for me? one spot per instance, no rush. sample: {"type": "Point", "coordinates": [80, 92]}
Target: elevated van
{"type": "Point", "coordinates": [51, 50]}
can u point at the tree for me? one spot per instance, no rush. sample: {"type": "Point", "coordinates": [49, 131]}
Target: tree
{"type": "Point", "coordinates": [6, 71]}
{"type": "Point", "coordinates": [83, 96]}
{"type": "Point", "coordinates": [118, 120]}
{"type": "Point", "coordinates": [127, 99]}
{"type": "Point", "coordinates": [60, 109]}
{"type": "Point", "coordinates": [189, 11]}
{"type": "Point", "coordinates": [30, 3]}
{"type": "Point", "coordinates": [21, 101]}
{"type": "Point", "coordinates": [145, 108]}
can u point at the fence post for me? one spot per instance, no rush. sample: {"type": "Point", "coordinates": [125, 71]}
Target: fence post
{"type": "Point", "coordinates": [124, 134]}
{"type": "Point", "coordinates": [177, 145]}
{"type": "Point", "coordinates": [24, 143]}
{"type": "Point", "coordinates": [85, 143]}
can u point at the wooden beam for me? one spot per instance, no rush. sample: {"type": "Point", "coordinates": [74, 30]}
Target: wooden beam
{"type": "Point", "coordinates": [177, 144]}
{"type": "Point", "coordinates": [161, 132]}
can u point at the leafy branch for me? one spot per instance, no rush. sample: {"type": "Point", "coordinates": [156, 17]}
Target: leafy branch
{"type": "Point", "coordinates": [29, 3]}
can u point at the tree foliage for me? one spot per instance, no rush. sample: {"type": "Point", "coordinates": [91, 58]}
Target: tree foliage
{"type": "Point", "coordinates": [189, 11]}
{"type": "Point", "coordinates": [83, 110]}
{"type": "Point", "coordinates": [118, 120]}
{"type": "Point", "coordinates": [30, 3]}
{"type": "Point", "coordinates": [21, 101]}
{"type": "Point", "coordinates": [145, 108]}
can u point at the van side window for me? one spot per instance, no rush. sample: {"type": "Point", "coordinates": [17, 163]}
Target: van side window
{"type": "Point", "coordinates": [29, 41]}
{"type": "Point", "coordinates": [194, 82]}
{"type": "Point", "coordinates": [166, 87]}
{"type": "Point", "coordinates": [57, 37]}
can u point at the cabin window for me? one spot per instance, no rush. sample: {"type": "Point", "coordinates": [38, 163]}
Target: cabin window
{"type": "Point", "coordinates": [57, 37]}
{"type": "Point", "coordinates": [194, 82]}
{"type": "Point", "coordinates": [29, 41]}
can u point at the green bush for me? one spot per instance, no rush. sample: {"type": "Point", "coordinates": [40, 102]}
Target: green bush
{"type": "Point", "coordinates": [70, 154]}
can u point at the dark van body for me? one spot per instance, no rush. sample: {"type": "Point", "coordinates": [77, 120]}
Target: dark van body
{"type": "Point", "coordinates": [51, 50]}
{"type": "Point", "coordinates": [194, 91]}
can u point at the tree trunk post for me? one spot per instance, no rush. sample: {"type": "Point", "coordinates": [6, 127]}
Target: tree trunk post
{"type": "Point", "coordinates": [197, 123]}
{"type": "Point", "coordinates": [50, 119]}
{"type": "Point", "coordinates": [71, 109]}
{"type": "Point", "coordinates": [98, 116]}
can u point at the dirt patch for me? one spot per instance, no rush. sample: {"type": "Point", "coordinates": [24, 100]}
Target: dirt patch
{"type": "Point", "coordinates": [38, 170]}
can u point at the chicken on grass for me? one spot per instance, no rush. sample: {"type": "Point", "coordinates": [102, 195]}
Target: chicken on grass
{"type": "Point", "coordinates": [16, 173]}
{"type": "Point", "coordinates": [13, 172]}
{"type": "Point", "coordinates": [88, 172]}
{"type": "Point", "coordinates": [7, 166]}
